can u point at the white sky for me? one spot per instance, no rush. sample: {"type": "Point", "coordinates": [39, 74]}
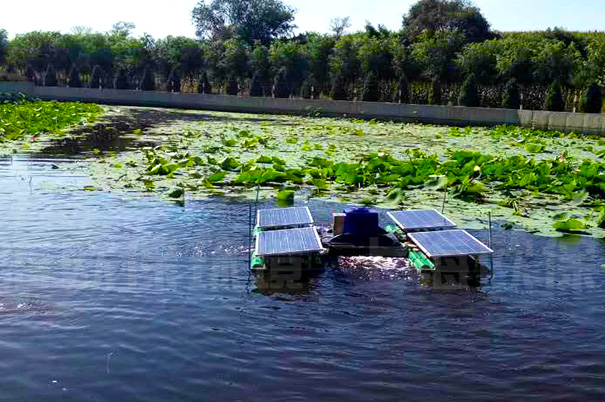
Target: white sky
{"type": "Point", "coordinates": [173, 17]}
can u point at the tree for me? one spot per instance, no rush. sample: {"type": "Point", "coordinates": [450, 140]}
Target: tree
{"type": "Point", "coordinates": [438, 15]}
{"type": "Point", "coordinates": [74, 79]}
{"type": "Point", "coordinates": [554, 98]}
{"type": "Point", "coordinates": [256, 86]}
{"type": "Point", "coordinates": [403, 90]}
{"type": "Point", "coordinates": [3, 45]}
{"type": "Point", "coordinates": [237, 58]}
{"type": "Point", "coordinates": [435, 93]}
{"type": "Point", "coordinates": [50, 77]}
{"type": "Point", "coordinates": [232, 87]}
{"type": "Point", "coordinates": [250, 20]}
{"type": "Point", "coordinates": [469, 95]}
{"type": "Point", "coordinates": [203, 86]}
{"type": "Point", "coordinates": [481, 60]}
{"type": "Point", "coordinates": [592, 100]}
{"type": "Point", "coordinates": [96, 78]}
{"type": "Point", "coordinates": [148, 80]}
{"type": "Point", "coordinates": [319, 51]}
{"type": "Point", "coordinates": [339, 91]}
{"type": "Point", "coordinates": [371, 91]}
{"type": "Point", "coordinates": [282, 89]}
{"type": "Point", "coordinates": [339, 26]}
{"type": "Point", "coordinates": [290, 57]}
{"type": "Point", "coordinates": [436, 55]}
{"type": "Point", "coordinates": [120, 80]}
{"type": "Point", "coordinates": [511, 99]}
{"type": "Point", "coordinates": [174, 80]}
{"type": "Point", "coordinates": [260, 63]}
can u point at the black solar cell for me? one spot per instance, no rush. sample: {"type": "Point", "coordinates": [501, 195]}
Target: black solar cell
{"type": "Point", "coordinates": [449, 243]}
{"type": "Point", "coordinates": [411, 221]}
{"type": "Point", "coordinates": [288, 242]}
{"type": "Point", "coordinates": [282, 217]}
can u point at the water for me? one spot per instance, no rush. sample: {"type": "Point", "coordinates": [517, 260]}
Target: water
{"type": "Point", "coordinates": [109, 297]}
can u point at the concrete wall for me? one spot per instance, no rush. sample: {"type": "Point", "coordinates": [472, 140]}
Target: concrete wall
{"type": "Point", "coordinates": [588, 123]}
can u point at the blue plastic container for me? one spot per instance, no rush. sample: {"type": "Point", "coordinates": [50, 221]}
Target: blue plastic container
{"type": "Point", "coordinates": [361, 221]}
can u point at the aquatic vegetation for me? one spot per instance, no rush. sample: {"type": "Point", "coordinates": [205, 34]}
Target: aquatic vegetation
{"type": "Point", "coordinates": [520, 175]}
{"type": "Point", "coordinates": [30, 118]}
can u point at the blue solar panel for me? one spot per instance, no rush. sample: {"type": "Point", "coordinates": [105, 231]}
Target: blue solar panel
{"type": "Point", "coordinates": [411, 221]}
{"type": "Point", "coordinates": [288, 242]}
{"type": "Point", "coordinates": [282, 217]}
{"type": "Point", "coordinates": [449, 243]}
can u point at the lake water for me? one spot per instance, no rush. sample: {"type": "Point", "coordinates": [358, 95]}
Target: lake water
{"type": "Point", "coordinates": [108, 297]}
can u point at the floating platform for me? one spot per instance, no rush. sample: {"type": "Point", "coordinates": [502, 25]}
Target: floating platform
{"type": "Point", "coordinates": [288, 237]}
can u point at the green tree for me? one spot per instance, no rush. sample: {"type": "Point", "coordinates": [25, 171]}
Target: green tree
{"type": "Point", "coordinates": [319, 50]}
{"type": "Point", "coordinates": [256, 86]}
{"type": "Point", "coordinates": [148, 80]}
{"type": "Point", "coordinates": [3, 45]}
{"type": "Point", "coordinates": [203, 86]}
{"type": "Point", "coordinates": [469, 96]}
{"type": "Point", "coordinates": [435, 97]}
{"type": "Point", "coordinates": [554, 98]}
{"type": "Point", "coordinates": [436, 55]}
{"type": "Point", "coordinates": [480, 59]}
{"type": "Point", "coordinates": [403, 92]}
{"type": "Point", "coordinates": [96, 78]}
{"type": "Point", "coordinates": [282, 89]}
{"type": "Point", "coordinates": [339, 87]}
{"type": "Point", "coordinates": [290, 57]}
{"type": "Point", "coordinates": [251, 20]}
{"type": "Point", "coordinates": [120, 80]}
{"type": "Point", "coordinates": [511, 99]}
{"type": "Point", "coordinates": [50, 77]}
{"type": "Point", "coordinates": [237, 59]}
{"type": "Point", "coordinates": [447, 15]}
{"type": "Point", "coordinates": [592, 100]}
{"type": "Point", "coordinates": [74, 78]}
{"type": "Point", "coordinates": [232, 87]}
{"type": "Point", "coordinates": [371, 91]}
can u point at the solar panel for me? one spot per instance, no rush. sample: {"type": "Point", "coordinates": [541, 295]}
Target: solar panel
{"type": "Point", "coordinates": [449, 243]}
{"type": "Point", "coordinates": [282, 217]}
{"type": "Point", "coordinates": [288, 242]}
{"type": "Point", "coordinates": [413, 221]}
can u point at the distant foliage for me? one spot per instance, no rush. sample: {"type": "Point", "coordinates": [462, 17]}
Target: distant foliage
{"type": "Point", "coordinates": [281, 89]}
{"type": "Point", "coordinates": [370, 88]}
{"type": "Point", "coordinates": [120, 80]}
{"type": "Point", "coordinates": [50, 77]}
{"type": "Point", "coordinates": [510, 99]}
{"type": "Point", "coordinates": [256, 86]}
{"type": "Point", "coordinates": [232, 87]}
{"type": "Point", "coordinates": [96, 78]}
{"type": "Point", "coordinates": [339, 90]}
{"type": "Point", "coordinates": [174, 81]}
{"type": "Point", "coordinates": [403, 90]}
{"type": "Point", "coordinates": [435, 93]}
{"type": "Point", "coordinates": [148, 80]}
{"type": "Point", "coordinates": [554, 98]}
{"type": "Point", "coordinates": [468, 94]}
{"type": "Point", "coordinates": [592, 100]}
{"type": "Point", "coordinates": [74, 79]}
{"type": "Point", "coordinates": [203, 85]}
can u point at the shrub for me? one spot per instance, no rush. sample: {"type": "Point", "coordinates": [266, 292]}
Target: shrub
{"type": "Point", "coordinates": [174, 81]}
{"type": "Point", "coordinates": [50, 77]}
{"type": "Point", "coordinates": [435, 93]}
{"type": "Point", "coordinates": [468, 94]}
{"type": "Point", "coordinates": [120, 80]}
{"type": "Point", "coordinates": [281, 88]}
{"type": "Point", "coordinates": [148, 80]}
{"type": "Point", "coordinates": [256, 86]}
{"type": "Point", "coordinates": [592, 100]}
{"type": "Point", "coordinates": [232, 87]}
{"type": "Point", "coordinates": [371, 91]}
{"type": "Point", "coordinates": [403, 92]}
{"type": "Point", "coordinates": [554, 98]}
{"type": "Point", "coordinates": [339, 91]}
{"type": "Point", "coordinates": [511, 99]}
{"type": "Point", "coordinates": [203, 85]}
{"type": "Point", "coordinates": [74, 79]}
{"type": "Point", "coordinates": [96, 80]}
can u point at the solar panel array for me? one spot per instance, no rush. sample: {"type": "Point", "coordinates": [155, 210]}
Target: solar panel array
{"type": "Point", "coordinates": [288, 242]}
{"type": "Point", "coordinates": [282, 217]}
{"type": "Point", "coordinates": [449, 243]}
{"type": "Point", "coordinates": [411, 221]}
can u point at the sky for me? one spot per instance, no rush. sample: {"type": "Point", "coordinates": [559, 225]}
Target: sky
{"type": "Point", "coordinates": [173, 17]}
